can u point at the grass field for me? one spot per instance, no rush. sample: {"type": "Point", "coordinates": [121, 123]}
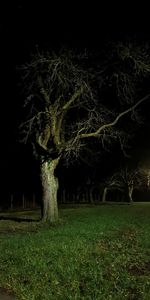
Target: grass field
{"type": "Point", "coordinates": [97, 253]}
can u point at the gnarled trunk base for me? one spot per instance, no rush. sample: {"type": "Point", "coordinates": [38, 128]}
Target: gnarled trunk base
{"type": "Point", "coordinates": [50, 188]}
{"type": "Point", "coordinates": [130, 193]}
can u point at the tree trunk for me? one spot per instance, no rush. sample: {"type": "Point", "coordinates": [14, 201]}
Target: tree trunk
{"type": "Point", "coordinates": [104, 195]}
{"type": "Point", "coordinates": [50, 188]}
{"type": "Point", "coordinates": [91, 195]}
{"type": "Point", "coordinates": [130, 192]}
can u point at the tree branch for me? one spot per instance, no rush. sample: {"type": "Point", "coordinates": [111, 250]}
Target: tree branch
{"type": "Point", "coordinates": [113, 123]}
{"type": "Point", "coordinates": [72, 99]}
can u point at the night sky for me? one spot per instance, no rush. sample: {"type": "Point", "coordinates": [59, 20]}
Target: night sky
{"type": "Point", "coordinates": [25, 25]}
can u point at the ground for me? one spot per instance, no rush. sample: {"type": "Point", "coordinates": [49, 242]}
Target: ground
{"type": "Point", "coordinates": [99, 252]}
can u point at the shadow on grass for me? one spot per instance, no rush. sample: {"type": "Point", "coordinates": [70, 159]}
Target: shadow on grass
{"type": "Point", "coordinates": [18, 219]}
{"type": "Point", "coordinates": [6, 294]}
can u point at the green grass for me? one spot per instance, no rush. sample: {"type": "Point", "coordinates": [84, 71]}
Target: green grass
{"type": "Point", "coordinates": [102, 252]}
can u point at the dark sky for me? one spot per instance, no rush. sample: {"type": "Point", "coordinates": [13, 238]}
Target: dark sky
{"type": "Point", "coordinates": [25, 24]}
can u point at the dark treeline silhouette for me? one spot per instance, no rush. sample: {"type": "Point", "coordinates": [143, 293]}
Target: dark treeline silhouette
{"type": "Point", "coordinates": [83, 194]}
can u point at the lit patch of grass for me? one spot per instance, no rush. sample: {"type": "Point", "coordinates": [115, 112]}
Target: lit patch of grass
{"type": "Point", "coordinates": [92, 253]}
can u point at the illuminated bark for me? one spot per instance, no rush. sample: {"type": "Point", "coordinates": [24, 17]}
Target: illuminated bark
{"type": "Point", "coordinates": [104, 195]}
{"type": "Point", "coordinates": [50, 188]}
{"type": "Point", "coordinates": [130, 192]}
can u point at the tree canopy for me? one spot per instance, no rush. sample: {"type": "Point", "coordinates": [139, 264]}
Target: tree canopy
{"type": "Point", "coordinates": [73, 97]}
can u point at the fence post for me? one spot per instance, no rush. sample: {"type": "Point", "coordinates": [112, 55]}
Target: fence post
{"type": "Point", "coordinates": [23, 201]}
{"type": "Point", "coordinates": [11, 201]}
{"type": "Point", "coordinates": [33, 202]}
{"type": "Point", "coordinates": [64, 196]}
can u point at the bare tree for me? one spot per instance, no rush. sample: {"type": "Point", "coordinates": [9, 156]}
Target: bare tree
{"type": "Point", "coordinates": [144, 174]}
{"type": "Point", "coordinates": [129, 180]}
{"type": "Point", "coordinates": [67, 105]}
{"type": "Point", "coordinates": [125, 180]}
{"type": "Point", "coordinates": [111, 183]}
